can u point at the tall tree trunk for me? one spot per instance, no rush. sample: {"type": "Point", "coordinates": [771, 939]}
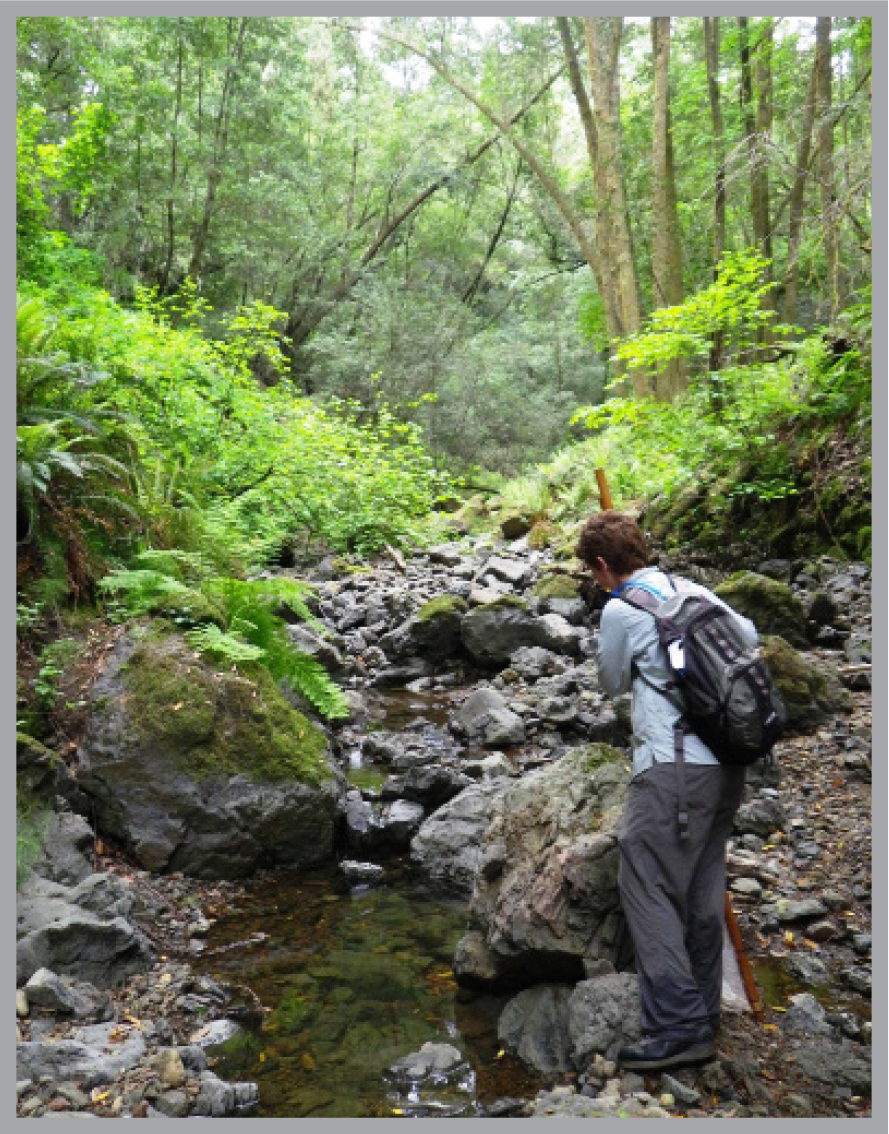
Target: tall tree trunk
{"type": "Point", "coordinates": [220, 146]}
{"type": "Point", "coordinates": [797, 194]}
{"type": "Point", "coordinates": [757, 115]}
{"type": "Point", "coordinates": [829, 217]}
{"type": "Point", "coordinates": [171, 189]}
{"type": "Point", "coordinates": [603, 35]}
{"type": "Point", "coordinates": [711, 62]}
{"type": "Point", "coordinates": [601, 234]}
{"type": "Point", "coordinates": [666, 253]}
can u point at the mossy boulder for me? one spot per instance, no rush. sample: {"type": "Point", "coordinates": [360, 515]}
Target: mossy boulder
{"type": "Point", "coordinates": [769, 604]}
{"type": "Point", "coordinates": [187, 608]}
{"type": "Point", "coordinates": [35, 766]}
{"type": "Point", "coordinates": [204, 770]}
{"type": "Point", "coordinates": [556, 586]}
{"type": "Point", "coordinates": [812, 693]}
{"type": "Point", "coordinates": [432, 632]}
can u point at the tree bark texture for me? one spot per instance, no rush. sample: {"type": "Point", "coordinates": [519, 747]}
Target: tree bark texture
{"type": "Point", "coordinates": [711, 61]}
{"type": "Point", "coordinates": [797, 195]}
{"type": "Point", "coordinates": [666, 253]}
{"type": "Point", "coordinates": [603, 35]}
{"type": "Point", "coordinates": [829, 217]}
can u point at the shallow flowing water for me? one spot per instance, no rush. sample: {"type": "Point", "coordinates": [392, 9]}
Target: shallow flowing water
{"type": "Point", "coordinates": [356, 978]}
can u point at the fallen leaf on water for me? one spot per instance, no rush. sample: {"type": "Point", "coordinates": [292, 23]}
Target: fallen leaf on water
{"type": "Point", "coordinates": [262, 1057]}
{"type": "Point", "coordinates": [500, 1053]}
{"type": "Point", "coordinates": [98, 1095]}
{"type": "Point", "coordinates": [134, 1021]}
{"type": "Point", "coordinates": [788, 938]}
{"type": "Point", "coordinates": [810, 944]}
{"type": "Point", "coordinates": [395, 1110]}
{"type": "Point", "coordinates": [770, 1027]}
{"type": "Point", "coordinates": [307, 1061]}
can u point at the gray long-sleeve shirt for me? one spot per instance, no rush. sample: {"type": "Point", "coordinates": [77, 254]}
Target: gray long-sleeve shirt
{"type": "Point", "coordinates": [628, 635]}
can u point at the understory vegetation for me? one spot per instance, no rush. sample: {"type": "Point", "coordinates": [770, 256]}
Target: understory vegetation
{"type": "Point", "coordinates": [296, 287]}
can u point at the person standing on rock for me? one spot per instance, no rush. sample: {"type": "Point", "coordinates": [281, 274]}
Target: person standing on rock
{"type": "Point", "coordinates": [671, 887]}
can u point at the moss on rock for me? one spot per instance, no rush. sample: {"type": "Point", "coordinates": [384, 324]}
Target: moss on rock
{"type": "Point", "coordinates": [441, 605]}
{"type": "Point", "coordinates": [769, 604]}
{"type": "Point", "coordinates": [556, 586]}
{"type": "Point", "coordinates": [213, 721]}
{"type": "Point", "coordinates": [810, 692]}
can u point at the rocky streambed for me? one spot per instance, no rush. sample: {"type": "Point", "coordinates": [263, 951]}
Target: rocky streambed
{"type": "Point", "coordinates": [481, 756]}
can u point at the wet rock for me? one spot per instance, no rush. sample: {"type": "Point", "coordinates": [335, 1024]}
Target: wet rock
{"type": "Point", "coordinates": [216, 1099]}
{"type": "Point", "coordinates": [317, 647]}
{"type": "Point", "coordinates": [809, 970]}
{"type": "Point", "coordinates": [485, 716]}
{"type": "Point", "coordinates": [362, 873]}
{"type": "Point", "coordinates": [603, 1016]}
{"type": "Point", "coordinates": [682, 1093]}
{"type": "Point", "coordinates": [433, 632]}
{"type": "Point", "coordinates": [512, 571]}
{"type": "Point", "coordinates": [172, 1104]}
{"type": "Point", "coordinates": [494, 631]}
{"type": "Point", "coordinates": [490, 768]}
{"type": "Point", "coordinates": [859, 980]}
{"type": "Point", "coordinates": [35, 766]}
{"type": "Point", "coordinates": [211, 1034]}
{"type": "Point", "coordinates": [447, 845]}
{"type": "Point", "coordinates": [533, 662]}
{"type": "Point", "coordinates": [400, 822]}
{"type": "Point", "coordinates": [534, 1025]}
{"type": "Point", "coordinates": [433, 1059]}
{"type": "Point", "coordinates": [430, 786]}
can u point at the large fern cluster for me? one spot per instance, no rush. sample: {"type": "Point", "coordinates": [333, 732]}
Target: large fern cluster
{"type": "Point", "coordinates": [245, 625]}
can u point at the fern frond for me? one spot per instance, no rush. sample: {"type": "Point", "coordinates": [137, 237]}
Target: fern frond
{"type": "Point", "coordinates": [209, 639]}
{"type": "Point", "coordinates": [309, 678]}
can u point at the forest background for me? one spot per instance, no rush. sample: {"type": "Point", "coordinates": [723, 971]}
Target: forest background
{"type": "Point", "coordinates": [295, 285]}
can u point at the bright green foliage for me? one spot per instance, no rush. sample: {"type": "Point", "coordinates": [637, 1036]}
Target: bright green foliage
{"type": "Point", "coordinates": [221, 646]}
{"type": "Point", "coordinates": [732, 306]}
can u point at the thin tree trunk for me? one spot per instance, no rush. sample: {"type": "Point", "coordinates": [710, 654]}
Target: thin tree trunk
{"type": "Point", "coordinates": [601, 234]}
{"type": "Point", "coordinates": [829, 217]}
{"type": "Point", "coordinates": [470, 293]}
{"type": "Point", "coordinates": [220, 145]}
{"type": "Point", "coordinates": [797, 195]}
{"type": "Point", "coordinates": [171, 229]}
{"type": "Point", "coordinates": [602, 35]}
{"type": "Point", "coordinates": [711, 58]}
{"type": "Point", "coordinates": [666, 254]}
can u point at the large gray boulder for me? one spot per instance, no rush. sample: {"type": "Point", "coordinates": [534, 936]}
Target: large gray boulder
{"type": "Point", "coordinates": [447, 845]}
{"type": "Point", "coordinates": [433, 632]}
{"type": "Point", "coordinates": [66, 853]}
{"type": "Point", "coordinates": [55, 931]}
{"type": "Point", "coordinates": [554, 1027]}
{"type": "Point", "coordinates": [495, 630]}
{"type": "Point", "coordinates": [93, 1054]}
{"type": "Point", "coordinates": [545, 900]}
{"type": "Point", "coordinates": [486, 718]}
{"type": "Point", "coordinates": [209, 772]}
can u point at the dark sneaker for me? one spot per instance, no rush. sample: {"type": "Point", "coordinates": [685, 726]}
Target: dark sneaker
{"type": "Point", "coordinates": [656, 1053]}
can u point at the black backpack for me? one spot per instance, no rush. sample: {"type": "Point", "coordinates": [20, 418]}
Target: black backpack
{"type": "Point", "coordinates": [722, 685]}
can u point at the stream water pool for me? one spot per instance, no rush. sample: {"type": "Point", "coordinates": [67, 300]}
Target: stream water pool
{"type": "Point", "coordinates": [356, 978]}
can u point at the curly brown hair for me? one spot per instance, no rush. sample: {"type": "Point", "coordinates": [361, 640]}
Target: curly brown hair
{"type": "Point", "coordinates": [615, 537]}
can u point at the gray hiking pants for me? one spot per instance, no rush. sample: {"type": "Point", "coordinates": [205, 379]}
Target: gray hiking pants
{"type": "Point", "coordinates": [673, 893]}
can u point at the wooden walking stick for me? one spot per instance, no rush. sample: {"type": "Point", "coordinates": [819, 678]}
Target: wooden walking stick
{"type": "Point", "coordinates": [731, 921]}
{"type": "Point", "coordinates": [734, 933]}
